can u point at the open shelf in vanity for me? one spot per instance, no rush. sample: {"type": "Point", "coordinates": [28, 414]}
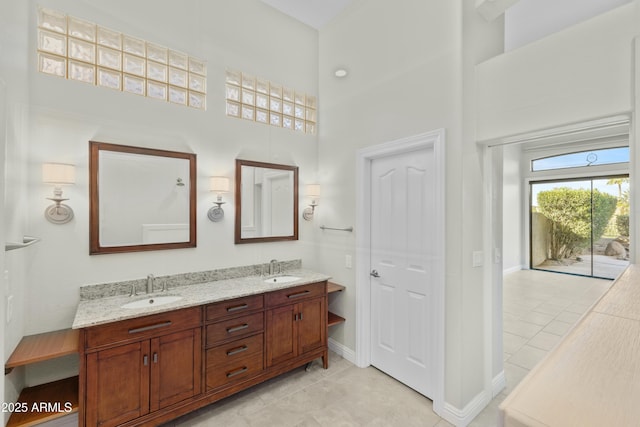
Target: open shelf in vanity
{"type": "Point", "coordinates": [332, 318]}
{"type": "Point", "coordinates": [61, 396]}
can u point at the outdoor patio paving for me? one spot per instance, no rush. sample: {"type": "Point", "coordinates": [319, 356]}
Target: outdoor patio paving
{"type": "Point", "coordinates": [603, 266]}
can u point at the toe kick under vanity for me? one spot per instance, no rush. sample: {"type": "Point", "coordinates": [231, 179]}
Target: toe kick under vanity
{"type": "Point", "coordinates": [146, 366]}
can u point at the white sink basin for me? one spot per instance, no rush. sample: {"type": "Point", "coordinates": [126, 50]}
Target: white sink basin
{"type": "Point", "coordinates": [152, 301]}
{"type": "Point", "coordinates": [281, 279]}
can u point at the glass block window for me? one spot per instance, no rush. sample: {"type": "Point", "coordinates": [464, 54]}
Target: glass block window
{"type": "Point", "coordinates": [253, 98]}
{"type": "Point", "coordinates": [75, 49]}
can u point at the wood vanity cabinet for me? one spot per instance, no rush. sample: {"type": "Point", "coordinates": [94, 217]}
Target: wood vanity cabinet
{"type": "Point", "coordinates": [138, 366]}
{"type": "Point", "coordinates": [149, 370]}
{"type": "Point", "coordinates": [234, 341]}
{"type": "Point", "coordinates": [296, 323]}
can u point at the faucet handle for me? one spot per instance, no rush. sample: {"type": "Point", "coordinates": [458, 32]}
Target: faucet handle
{"type": "Point", "coordinates": [133, 290]}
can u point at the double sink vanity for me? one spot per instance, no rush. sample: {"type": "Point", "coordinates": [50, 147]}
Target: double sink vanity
{"type": "Point", "coordinates": [147, 359]}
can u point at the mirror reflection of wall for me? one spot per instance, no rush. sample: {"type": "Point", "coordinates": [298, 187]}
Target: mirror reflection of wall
{"type": "Point", "coordinates": [164, 214]}
{"type": "Point", "coordinates": [267, 209]}
{"type": "Point", "coordinates": [267, 202]}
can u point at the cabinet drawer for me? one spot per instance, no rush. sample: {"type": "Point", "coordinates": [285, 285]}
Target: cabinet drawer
{"type": "Point", "coordinates": [234, 352]}
{"type": "Point", "coordinates": [234, 328]}
{"type": "Point", "coordinates": [295, 294]}
{"type": "Point", "coordinates": [234, 307]}
{"type": "Point", "coordinates": [236, 371]}
{"type": "Point", "coordinates": [142, 327]}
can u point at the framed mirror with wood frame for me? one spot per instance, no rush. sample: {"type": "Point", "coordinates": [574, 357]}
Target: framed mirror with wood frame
{"type": "Point", "coordinates": [266, 202]}
{"type": "Point", "coordinates": [140, 199]}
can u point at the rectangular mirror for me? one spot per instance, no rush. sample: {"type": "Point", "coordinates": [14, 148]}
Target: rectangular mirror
{"type": "Point", "coordinates": [266, 202]}
{"type": "Point", "coordinates": [140, 199]}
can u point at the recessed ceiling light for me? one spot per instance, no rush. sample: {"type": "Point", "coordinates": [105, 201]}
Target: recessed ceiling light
{"type": "Point", "coordinates": [341, 72]}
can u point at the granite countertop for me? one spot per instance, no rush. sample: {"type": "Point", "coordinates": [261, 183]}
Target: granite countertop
{"type": "Point", "coordinates": [106, 310]}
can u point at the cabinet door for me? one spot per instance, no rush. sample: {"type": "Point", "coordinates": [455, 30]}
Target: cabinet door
{"type": "Point", "coordinates": [117, 384]}
{"type": "Point", "coordinates": [176, 366]}
{"type": "Point", "coordinates": [312, 324]}
{"type": "Point", "coordinates": [282, 341]}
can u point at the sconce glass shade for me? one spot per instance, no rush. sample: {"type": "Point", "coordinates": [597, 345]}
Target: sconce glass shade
{"type": "Point", "coordinates": [218, 184]}
{"type": "Point", "coordinates": [313, 190]}
{"type": "Point", "coordinates": [58, 174]}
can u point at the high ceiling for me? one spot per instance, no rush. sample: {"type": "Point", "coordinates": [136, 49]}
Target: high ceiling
{"type": "Point", "coordinates": [315, 13]}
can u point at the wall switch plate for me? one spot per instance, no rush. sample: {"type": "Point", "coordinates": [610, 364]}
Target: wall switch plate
{"type": "Point", "coordinates": [348, 261]}
{"type": "Point", "coordinates": [478, 258]}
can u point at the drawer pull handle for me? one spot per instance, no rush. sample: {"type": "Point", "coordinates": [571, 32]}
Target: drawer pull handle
{"type": "Point", "coordinates": [299, 294]}
{"type": "Point", "coordinates": [155, 357]}
{"type": "Point", "coordinates": [237, 372]}
{"type": "Point", "coordinates": [150, 327]}
{"type": "Point", "coordinates": [237, 350]}
{"type": "Point", "coordinates": [237, 307]}
{"type": "Point", "coordinates": [145, 360]}
{"type": "Point", "coordinates": [237, 328]}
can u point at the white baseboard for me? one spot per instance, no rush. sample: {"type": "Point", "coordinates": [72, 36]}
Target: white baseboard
{"type": "Point", "coordinates": [342, 350]}
{"type": "Point", "coordinates": [513, 269]}
{"type": "Point", "coordinates": [498, 384]}
{"type": "Point", "coordinates": [462, 417]}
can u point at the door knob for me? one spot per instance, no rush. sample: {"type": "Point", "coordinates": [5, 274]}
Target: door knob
{"type": "Point", "coordinates": [374, 273]}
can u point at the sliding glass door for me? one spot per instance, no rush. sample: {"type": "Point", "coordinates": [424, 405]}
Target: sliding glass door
{"type": "Point", "coordinates": [580, 226]}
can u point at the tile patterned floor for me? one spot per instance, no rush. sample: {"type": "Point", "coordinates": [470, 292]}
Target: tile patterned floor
{"type": "Point", "coordinates": [539, 308]}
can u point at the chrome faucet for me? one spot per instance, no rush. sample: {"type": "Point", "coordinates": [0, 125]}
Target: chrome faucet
{"type": "Point", "coordinates": [272, 266]}
{"type": "Point", "coordinates": [150, 283]}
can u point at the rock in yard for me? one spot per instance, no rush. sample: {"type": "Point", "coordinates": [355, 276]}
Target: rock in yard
{"type": "Point", "coordinates": [615, 249]}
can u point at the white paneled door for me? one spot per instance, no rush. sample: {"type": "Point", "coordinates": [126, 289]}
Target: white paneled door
{"type": "Point", "coordinates": [403, 224]}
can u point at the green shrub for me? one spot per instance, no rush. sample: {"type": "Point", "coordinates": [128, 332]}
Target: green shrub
{"type": "Point", "coordinates": [622, 224]}
{"type": "Point", "coordinates": [570, 212]}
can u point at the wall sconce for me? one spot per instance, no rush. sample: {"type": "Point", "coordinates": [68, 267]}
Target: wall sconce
{"type": "Point", "coordinates": [58, 174]}
{"type": "Point", "coordinates": [312, 191]}
{"type": "Point", "coordinates": [218, 184]}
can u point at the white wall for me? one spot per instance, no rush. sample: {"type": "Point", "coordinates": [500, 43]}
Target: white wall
{"type": "Point", "coordinates": [3, 282]}
{"type": "Point", "coordinates": [531, 20]}
{"type": "Point", "coordinates": [13, 151]}
{"type": "Point", "coordinates": [410, 71]}
{"type": "Point", "coordinates": [63, 116]}
{"type": "Point", "coordinates": [581, 73]}
{"type": "Point", "coordinates": [513, 202]}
